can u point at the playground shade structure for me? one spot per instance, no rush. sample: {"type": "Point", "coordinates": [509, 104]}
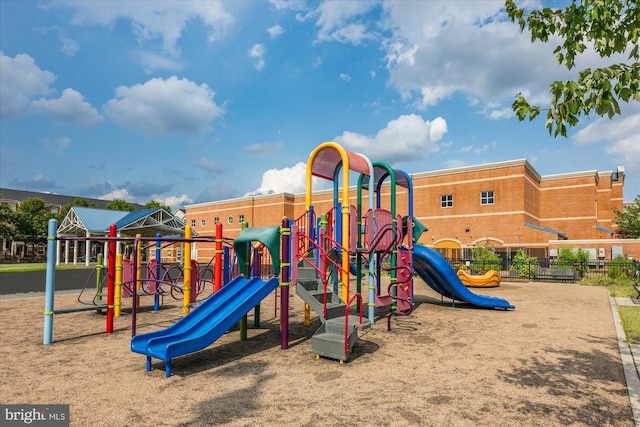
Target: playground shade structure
{"type": "Point", "coordinates": [490, 279]}
{"type": "Point", "coordinates": [206, 323]}
{"type": "Point", "coordinates": [436, 272]}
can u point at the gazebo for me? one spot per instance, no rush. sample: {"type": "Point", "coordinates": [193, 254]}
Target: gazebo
{"type": "Point", "coordinates": [88, 222]}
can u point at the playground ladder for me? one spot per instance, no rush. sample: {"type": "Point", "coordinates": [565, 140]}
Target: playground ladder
{"type": "Point", "coordinates": [328, 340]}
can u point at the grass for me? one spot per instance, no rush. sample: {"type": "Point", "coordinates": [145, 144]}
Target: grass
{"type": "Point", "coordinates": [36, 266]}
{"type": "Point", "coordinates": [629, 315]}
{"type": "Point", "coordinates": [619, 288]}
{"type": "Point", "coordinates": [630, 319]}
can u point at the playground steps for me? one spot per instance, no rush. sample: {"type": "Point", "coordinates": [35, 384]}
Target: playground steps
{"type": "Point", "coordinates": [314, 297]}
{"type": "Point", "coordinates": [329, 339]}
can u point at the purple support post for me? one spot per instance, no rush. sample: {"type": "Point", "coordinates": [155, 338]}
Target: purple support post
{"type": "Point", "coordinates": [134, 294]}
{"type": "Point", "coordinates": [156, 300]}
{"type": "Point", "coordinates": [285, 269]}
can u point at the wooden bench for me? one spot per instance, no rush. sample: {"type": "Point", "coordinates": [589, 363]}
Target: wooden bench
{"type": "Point", "coordinates": [556, 274]}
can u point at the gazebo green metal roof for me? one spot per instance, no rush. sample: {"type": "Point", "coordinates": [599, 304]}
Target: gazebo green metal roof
{"type": "Point", "coordinates": [148, 222]}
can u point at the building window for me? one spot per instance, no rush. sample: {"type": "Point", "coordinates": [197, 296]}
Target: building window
{"type": "Point", "coordinates": [216, 220]}
{"type": "Point", "coordinates": [486, 198]}
{"type": "Point", "coordinates": [240, 219]}
{"type": "Point", "coordinates": [230, 219]}
{"type": "Point", "coordinates": [446, 201]}
{"type": "Point", "coordinates": [193, 222]}
{"type": "Point", "coordinates": [40, 250]}
{"type": "Point", "coordinates": [203, 222]}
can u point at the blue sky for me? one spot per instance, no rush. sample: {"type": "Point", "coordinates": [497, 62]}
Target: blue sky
{"type": "Point", "coordinates": [189, 102]}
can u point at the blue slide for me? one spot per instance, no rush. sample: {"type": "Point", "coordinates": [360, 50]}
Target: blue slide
{"type": "Point", "coordinates": [206, 323]}
{"type": "Point", "coordinates": [436, 272]}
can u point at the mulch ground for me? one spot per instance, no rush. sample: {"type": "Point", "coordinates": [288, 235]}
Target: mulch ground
{"type": "Point", "coordinates": [552, 361]}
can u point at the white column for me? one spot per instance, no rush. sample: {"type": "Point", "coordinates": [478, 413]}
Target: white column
{"type": "Point", "coordinates": [58, 252]}
{"type": "Point", "coordinates": [87, 250]}
{"type": "Point", "coordinates": [75, 252]}
{"type": "Point", "coordinates": [66, 252]}
{"type": "Point", "coordinates": [105, 252]}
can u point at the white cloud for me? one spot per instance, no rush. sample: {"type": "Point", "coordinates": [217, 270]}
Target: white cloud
{"type": "Point", "coordinates": [345, 77]}
{"type": "Point", "coordinates": [620, 134]}
{"type": "Point", "coordinates": [501, 113]}
{"type": "Point", "coordinates": [289, 180]}
{"type": "Point", "coordinates": [70, 108]}
{"type": "Point", "coordinates": [275, 31]}
{"type": "Point", "coordinates": [151, 62]}
{"type": "Point", "coordinates": [258, 51]}
{"type": "Point", "coordinates": [211, 165]}
{"type": "Point", "coordinates": [162, 107]}
{"type": "Point", "coordinates": [152, 20]}
{"type": "Point", "coordinates": [440, 48]}
{"type": "Point", "coordinates": [68, 46]}
{"type": "Point", "coordinates": [288, 4]}
{"type": "Point", "coordinates": [627, 152]}
{"type": "Point", "coordinates": [57, 146]}
{"type": "Point", "coordinates": [21, 81]}
{"type": "Point", "coordinates": [407, 138]}
{"type": "Point", "coordinates": [174, 202]}
{"type": "Point", "coordinates": [336, 21]}
{"type": "Point", "coordinates": [119, 193]}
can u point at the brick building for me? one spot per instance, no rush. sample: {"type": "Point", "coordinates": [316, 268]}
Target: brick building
{"type": "Point", "coordinates": [507, 205]}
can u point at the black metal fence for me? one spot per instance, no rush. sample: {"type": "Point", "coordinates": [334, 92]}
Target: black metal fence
{"type": "Point", "coordinates": [546, 270]}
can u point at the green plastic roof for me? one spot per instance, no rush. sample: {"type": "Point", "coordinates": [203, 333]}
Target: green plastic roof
{"type": "Point", "coordinates": [268, 236]}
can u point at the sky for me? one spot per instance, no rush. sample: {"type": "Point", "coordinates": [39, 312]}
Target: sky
{"type": "Point", "coordinates": [190, 102]}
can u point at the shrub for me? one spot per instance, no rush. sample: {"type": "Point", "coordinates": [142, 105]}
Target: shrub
{"type": "Point", "coordinates": [484, 259]}
{"type": "Point", "coordinates": [523, 264]}
{"type": "Point", "coordinates": [568, 257]}
{"type": "Point", "coordinates": [619, 268]}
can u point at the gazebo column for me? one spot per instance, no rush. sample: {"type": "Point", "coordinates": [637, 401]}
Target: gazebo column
{"type": "Point", "coordinates": [87, 250]}
{"type": "Point", "coordinates": [105, 251]}
{"type": "Point", "coordinates": [58, 252]}
{"type": "Point", "coordinates": [66, 252]}
{"type": "Point", "coordinates": [75, 252]}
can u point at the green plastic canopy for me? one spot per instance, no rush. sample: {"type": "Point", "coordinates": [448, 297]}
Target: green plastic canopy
{"type": "Point", "coordinates": [268, 236]}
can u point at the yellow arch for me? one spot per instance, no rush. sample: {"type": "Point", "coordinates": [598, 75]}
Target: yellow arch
{"type": "Point", "coordinates": [326, 169]}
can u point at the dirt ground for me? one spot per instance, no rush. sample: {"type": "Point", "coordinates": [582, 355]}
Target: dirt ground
{"type": "Point", "coordinates": [554, 360]}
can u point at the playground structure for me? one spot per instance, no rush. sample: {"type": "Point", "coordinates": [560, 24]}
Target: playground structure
{"type": "Point", "coordinates": [317, 253]}
{"type": "Point", "coordinates": [490, 279]}
{"type": "Point", "coordinates": [130, 279]}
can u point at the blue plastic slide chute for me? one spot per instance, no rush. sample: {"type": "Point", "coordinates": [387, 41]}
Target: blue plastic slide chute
{"type": "Point", "coordinates": [206, 323]}
{"type": "Point", "coordinates": [436, 272]}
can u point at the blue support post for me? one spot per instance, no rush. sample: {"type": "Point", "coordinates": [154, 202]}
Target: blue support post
{"type": "Point", "coordinates": [50, 281]}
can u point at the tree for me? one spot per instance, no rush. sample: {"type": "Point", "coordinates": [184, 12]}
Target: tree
{"type": "Point", "coordinates": [628, 221]}
{"type": "Point", "coordinates": [7, 223]}
{"type": "Point", "coordinates": [152, 204]}
{"type": "Point", "coordinates": [120, 205]}
{"type": "Point", "coordinates": [82, 202]}
{"type": "Point", "coordinates": [32, 220]}
{"type": "Point", "coordinates": [607, 26]}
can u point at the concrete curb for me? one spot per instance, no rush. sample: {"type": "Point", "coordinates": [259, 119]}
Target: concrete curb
{"type": "Point", "coordinates": [630, 355]}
